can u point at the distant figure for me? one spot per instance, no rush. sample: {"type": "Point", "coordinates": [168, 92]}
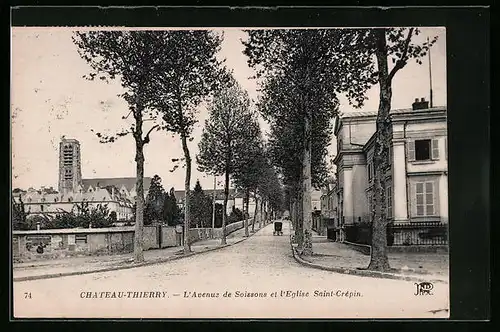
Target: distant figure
{"type": "Point", "coordinates": [39, 249]}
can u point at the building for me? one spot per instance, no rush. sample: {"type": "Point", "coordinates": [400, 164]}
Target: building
{"type": "Point", "coordinates": [329, 209]}
{"type": "Point", "coordinates": [70, 171]}
{"type": "Point", "coordinates": [118, 194]}
{"type": "Point", "coordinates": [416, 180]}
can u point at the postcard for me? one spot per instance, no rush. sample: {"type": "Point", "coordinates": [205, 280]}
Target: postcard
{"type": "Point", "coordinates": [229, 172]}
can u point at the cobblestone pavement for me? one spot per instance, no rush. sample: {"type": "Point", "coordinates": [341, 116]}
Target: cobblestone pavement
{"type": "Point", "coordinates": [262, 268]}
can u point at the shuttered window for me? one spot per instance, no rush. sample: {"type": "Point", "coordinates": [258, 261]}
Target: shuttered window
{"type": "Point", "coordinates": [423, 149]}
{"type": "Point", "coordinates": [424, 200]}
{"type": "Point", "coordinates": [388, 195]}
{"type": "Point", "coordinates": [411, 150]}
{"type": "Point", "coordinates": [435, 149]}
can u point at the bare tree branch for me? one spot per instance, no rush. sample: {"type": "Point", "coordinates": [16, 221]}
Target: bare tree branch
{"type": "Point", "coordinates": [404, 57]}
{"type": "Point", "coordinates": [146, 138]}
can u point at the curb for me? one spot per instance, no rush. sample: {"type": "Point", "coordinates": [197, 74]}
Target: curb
{"type": "Point", "coordinates": [126, 267]}
{"type": "Point", "coordinates": [360, 273]}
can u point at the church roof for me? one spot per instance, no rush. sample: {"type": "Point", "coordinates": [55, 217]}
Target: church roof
{"type": "Point", "coordinates": [129, 183]}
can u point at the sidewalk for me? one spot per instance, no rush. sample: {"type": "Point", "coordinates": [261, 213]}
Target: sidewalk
{"type": "Point", "coordinates": [333, 256]}
{"type": "Point", "coordinates": [89, 264]}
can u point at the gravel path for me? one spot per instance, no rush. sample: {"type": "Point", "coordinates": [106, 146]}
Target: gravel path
{"type": "Point", "coordinates": [260, 274]}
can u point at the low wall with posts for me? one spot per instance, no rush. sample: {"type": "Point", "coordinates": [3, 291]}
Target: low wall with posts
{"type": "Point", "coordinates": [199, 234]}
{"type": "Point", "coordinates": [59, 243]}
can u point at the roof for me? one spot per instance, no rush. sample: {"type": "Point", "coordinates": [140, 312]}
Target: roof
{"type": "Point", "coordinates": [129, 183]}
{"type": "Point", "coordinates": [373, 114]}
{"type": "Point", "coordinates": [361, 114]}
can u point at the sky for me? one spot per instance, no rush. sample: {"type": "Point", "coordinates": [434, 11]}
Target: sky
{"type": "Point", "coordinates": [50, 99]}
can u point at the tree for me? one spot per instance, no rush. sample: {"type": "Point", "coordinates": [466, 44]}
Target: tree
{"type": "Point", "coordinates": [396, 44]}
{"type": "Point", "coordinates": [225, 136]}
{"type": "Point", "coordinates": [349, 57]}
{"type": "Point", "coordinates": [171, 211]}
{"type": "Point", "coordinates": [299, 97]}
{"type": "Point", "coordinates": [135, 57]}
{"type": "Point", "coordinates": [201, 204]}
{"type": "Point", "coordinates": [249, 168]}
{"type": "Point", "coordinates": [190, 75]}
{"type": "Point", "coordinates": [154, 201]}
{"type": "Point", "coordinates": [19, 216]}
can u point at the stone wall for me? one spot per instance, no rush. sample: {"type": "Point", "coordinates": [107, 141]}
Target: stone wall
{"type": "Point", "coordinates": [150, 236]}
{"type": "Point", "coordinates": [72, 242]}
{"type": "Point", "coordinates": [169, 237]}
{"type": "Point", "coordinates": [59, 243]}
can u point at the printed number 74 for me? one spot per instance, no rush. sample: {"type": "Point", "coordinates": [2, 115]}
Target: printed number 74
{"type": "Point", "coordinates": [27, 295]}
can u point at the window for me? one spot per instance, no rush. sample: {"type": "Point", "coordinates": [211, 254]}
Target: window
{"type": "Point", "coordinates": [81, 238]}
{"type": "Point", "coordinates": [41, 207]}
{"type": "Point", "coordinates": [423, 149]}
{"type": "Point", "coordinates": [388, 195]}
{"type": "Point", "coordinates": [370, 171]}
{"type": "Point", "coordinates": [425, 199]}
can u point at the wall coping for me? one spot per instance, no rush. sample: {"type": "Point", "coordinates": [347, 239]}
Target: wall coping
{"type": "Point", "coordinates": [100, 230]}
{"type": "Point", "coordinates": [76, 230]}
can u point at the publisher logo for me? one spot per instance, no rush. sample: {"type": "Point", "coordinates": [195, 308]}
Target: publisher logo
{"type": "Point", "coordinates": [423, 288]}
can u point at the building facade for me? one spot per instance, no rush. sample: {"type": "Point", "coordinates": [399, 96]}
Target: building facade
{"type": "Point", "coordinates": [416, 179]}
{"type": "Point", "coordinates": [118, 194]}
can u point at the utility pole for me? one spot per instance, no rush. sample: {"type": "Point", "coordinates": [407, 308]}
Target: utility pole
{"type": "Point", "coordinates": [213, 203]}
{"type": "Point", "coordinates": [430, 74]}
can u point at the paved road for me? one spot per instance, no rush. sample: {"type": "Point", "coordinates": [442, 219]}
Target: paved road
{"type": "Point", "coordinates": [263, 278]}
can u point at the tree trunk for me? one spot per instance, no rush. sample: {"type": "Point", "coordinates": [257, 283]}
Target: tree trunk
{"type": "Point", "coordinates": [299, 227]}
{"type": "Point", "coordinates": [379, 260]}
{"type": "Point", "coordinates": [224, 215]}
{"type": "Point", "coordinates": [139, 209]}
{"type": "Point", "coordinates": [306, 187]}
{"type": "Point", "coordinates": [255, 212]}
{"type": "Point", "coordinates": [187, 185]}
{"type": "Point", "coordinates": [261, 212]}
{"type": "Point", "coordinates": [247, 197]}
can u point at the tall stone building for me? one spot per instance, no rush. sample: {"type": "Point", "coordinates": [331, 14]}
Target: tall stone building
{"type": "Point", "coordinates": [70, 169]}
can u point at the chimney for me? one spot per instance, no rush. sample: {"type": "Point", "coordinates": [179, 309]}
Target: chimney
{"type": "Point", "coordinates": [419, 105]}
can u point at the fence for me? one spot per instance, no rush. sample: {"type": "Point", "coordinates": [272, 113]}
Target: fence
{"type": "Point", "coordinates": [401, 234]}
{"type": "Point", "coordinates": [417, 233]}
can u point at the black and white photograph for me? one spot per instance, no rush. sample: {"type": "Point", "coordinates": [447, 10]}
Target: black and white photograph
{"type": "Point", "coordinates": [249, 172]}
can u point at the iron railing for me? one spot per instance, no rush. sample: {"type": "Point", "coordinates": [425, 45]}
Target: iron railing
{"type": "Point", "coordinates": [401, 234]}
{"type": "Point", "coordinates": [417, 233]}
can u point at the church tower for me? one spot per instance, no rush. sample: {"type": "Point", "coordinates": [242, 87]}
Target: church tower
{"type": "Point", "coordinates": [70, 171]}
